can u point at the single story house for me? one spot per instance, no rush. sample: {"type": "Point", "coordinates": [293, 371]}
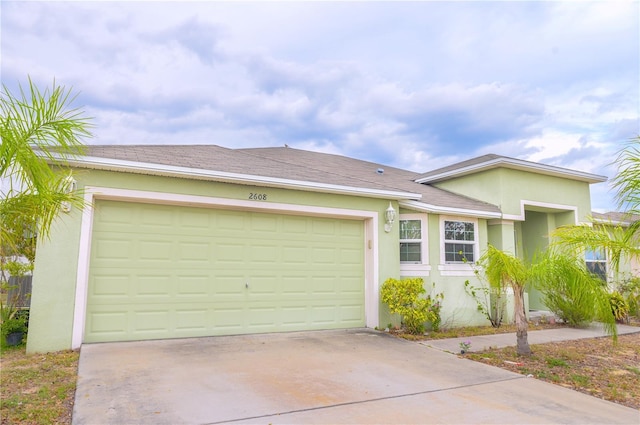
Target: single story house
{"type": "Point", "coordinates": [202, 240]}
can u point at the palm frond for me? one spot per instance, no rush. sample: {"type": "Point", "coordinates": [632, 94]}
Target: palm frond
{"type": "Point", "coordinates": [627, 180]}
{"type": "Point", "coordinates": [40, 132]}
{"type": "Point", "coordinates": [36, 128]}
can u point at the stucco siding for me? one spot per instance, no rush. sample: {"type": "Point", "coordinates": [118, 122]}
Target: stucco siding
{"type": "Point", "coordinates": [507, 188]}
{"type": "Point", "coordinates": [56, 269]}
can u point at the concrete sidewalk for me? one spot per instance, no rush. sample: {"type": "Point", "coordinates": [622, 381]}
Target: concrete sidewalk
{"type": "Point", "coordinates": [484, 342]}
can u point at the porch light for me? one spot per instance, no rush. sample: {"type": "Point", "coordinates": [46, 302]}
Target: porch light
{"type": "Point", "coordinates": [69, 185]}
{"type": "Point", "coordinates": [389, 218]}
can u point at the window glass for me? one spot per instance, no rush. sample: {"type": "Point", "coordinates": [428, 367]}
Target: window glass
{"type": "Point", "coordinates": [411, 229]}
{"type": "Point", "coordinates": [459, 231]}
{"type": "Point", "coordinates": [410, 252]}
{"type": "Point", "coordinates": [459, 241]}
{"type": "Point", "coordinates": [458, 253]}
{"type": "Point", "coordinates": [595, 255]}
{"type": "Point", "coordinates": [597, 263]}
{"type": "Point", "coordinates": [411, 241]}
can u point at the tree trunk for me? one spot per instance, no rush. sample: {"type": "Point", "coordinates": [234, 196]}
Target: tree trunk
{"type": "Point", "coordinates": [521, 322]}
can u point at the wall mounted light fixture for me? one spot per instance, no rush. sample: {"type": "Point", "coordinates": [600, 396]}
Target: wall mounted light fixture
{"type": "Point", "coordinates": [70, 185]}
{"type": "Point", "coordinates": [389, 218]}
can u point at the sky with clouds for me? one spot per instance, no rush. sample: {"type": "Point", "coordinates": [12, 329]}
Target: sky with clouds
{"type": "Point", "coordinates": [417, 85]}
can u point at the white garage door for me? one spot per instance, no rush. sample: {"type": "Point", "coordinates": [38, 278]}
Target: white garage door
{"type": "Point", "coordinates": [159, 271]}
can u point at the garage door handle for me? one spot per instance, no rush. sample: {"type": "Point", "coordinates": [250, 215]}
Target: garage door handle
{"type": "Point", "coordinates": [246, 285]}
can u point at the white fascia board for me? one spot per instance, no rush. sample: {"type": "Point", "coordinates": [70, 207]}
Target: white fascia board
{"type": "Point", "coordinates": [515, 164]}
{"type": "Point", "coordinates": [221, 176]}
{"type": "Point", "coordinates": [435, 209]}
{"type": "Point", "coordinates": [604, 221]}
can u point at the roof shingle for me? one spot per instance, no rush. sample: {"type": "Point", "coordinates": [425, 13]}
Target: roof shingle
{"type": "Point", "coordinates": [289, 163]}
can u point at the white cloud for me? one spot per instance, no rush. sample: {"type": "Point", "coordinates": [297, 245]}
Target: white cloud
{"type": "Point", "coordinates": [410, 84]}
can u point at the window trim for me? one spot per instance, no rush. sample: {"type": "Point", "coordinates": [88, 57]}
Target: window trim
{"type": "Point", "coordinates": [423, 265]}
{"type": "Point", "coordinates": [458, 268]}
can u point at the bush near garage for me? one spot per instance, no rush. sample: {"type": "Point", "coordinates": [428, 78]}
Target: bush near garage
{"type": "Point", "coordinates": [404, 297]}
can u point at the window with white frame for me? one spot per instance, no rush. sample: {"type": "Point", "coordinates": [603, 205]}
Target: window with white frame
{"type": "Point", "coordinates": [411, 241]}
{"type": "Point", "coordinates": [597, 262]}
{"type": "Point", "coordinates": [459, 241]}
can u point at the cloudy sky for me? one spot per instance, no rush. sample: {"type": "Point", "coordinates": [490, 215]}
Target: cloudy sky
{"type": "Point", "coordinates": [416, 85]}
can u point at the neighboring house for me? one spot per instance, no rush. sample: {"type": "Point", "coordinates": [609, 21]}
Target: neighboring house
{"type": "Point", "coordinates": [599, 262]}
{"type": "Point", "coordinates": [189, 241]}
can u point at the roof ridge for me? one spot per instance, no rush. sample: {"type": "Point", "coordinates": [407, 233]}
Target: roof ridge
{"type": "Point", "coordinates": [329, 172]}
{"type": "Point", "coordinates": [329, 154]}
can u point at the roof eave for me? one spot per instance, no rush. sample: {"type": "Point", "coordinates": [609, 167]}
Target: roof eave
{"type": "Point", "coordinates": [515, 164]}
{"type": "Point", "coordinates": [435, 209]}
{"type": "Point", "coordinates": [110, 164]}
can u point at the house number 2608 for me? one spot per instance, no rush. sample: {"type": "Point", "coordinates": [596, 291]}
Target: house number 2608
{"type": "Point", "coordinates": [258, 196]}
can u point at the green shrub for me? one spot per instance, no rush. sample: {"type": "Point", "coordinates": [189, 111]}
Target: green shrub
{"type": "Point", "coordinates": [619, 307]}
{"type": "Point", "coordinates": [573, 294]}
{"type": "Point", "coordinates": [434, 318]}
{"type": "Point", "coordinates": [491, 301]}
{"type": "Point", "coordinates": [16, 324]}
{"type": "Point", "coordinates": [403, 296]}
{"type": "Point", "coordinates": [630, 289]}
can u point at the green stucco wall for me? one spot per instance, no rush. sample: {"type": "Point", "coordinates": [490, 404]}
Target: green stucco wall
{"type": "Point", "coordinates": [535, 234]}
{"type": "Point", "coordinates": [458, 307]}
{"type": "Point", "coordinates": [506, 188]}
{"type": "Point", "coordinates": [54, 281]}
{"type": "Point", "coordinates": [549, 202]}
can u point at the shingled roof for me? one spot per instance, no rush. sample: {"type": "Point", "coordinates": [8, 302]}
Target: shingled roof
{"type": "Point", "coordinates": [491, 161]}
{"type": "Point", "coordinates": [615, 218]}
{"type": "Point", "coordinates": [278, 163]}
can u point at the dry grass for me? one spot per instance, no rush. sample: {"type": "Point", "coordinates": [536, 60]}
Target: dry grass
{"type": "Point", "coordinates": [593, 366]}
{"type": "Point", "coordinates": [473, 331]}
{"type": "Point", "coordinates": [38, 388]}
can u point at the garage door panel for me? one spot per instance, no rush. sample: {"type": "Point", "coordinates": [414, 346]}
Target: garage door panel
{"type": "Point", "coordinates": [294, 255]}
{"type": "Point", "coordinates": [191, 320]}
{"type": "Point", "coordinates": [229, 287]}
{"type": "Point", "coordinates": [194, 219]}
{"type": "Point", "coordinates": [156, 250]}
{"type": "Point", "coordinates": [351, 312]}
{"type": "Point", "coordinates": [106, 325]}
{"type": "Point", "coordinates": [111, 285]}
{"type": "Point", "coordinates": [264, 225]}
{"type": "Point", "coordinates": [293, 286]}
{"type": "Point", "coordinates": [156, 320]}
{"type": "Point", "coordinates": [152, 217]}
{"type": "Point", "coordinates": [230, 223]}
{"type": "Point", "coordinates": [228, 320]}
{"type": "Point", "coordinates": [229, 254]}
{"type": "Point", "coordinates": [263, 253]}
{"type": "Point", "coordinates": [194, 252]}
{"type": "Point", "coordinates": [350, 257]}
{"type": "Point", "coordinates": [188, 286]}
{"type": "Point", "coordinates": [323, 228]}
{"type": "Point", "coordinates": [175, 271]}
{"type": "Point", "coordinates": [110, 248]}
{"type": "Point", "coordinates": [153, 285]}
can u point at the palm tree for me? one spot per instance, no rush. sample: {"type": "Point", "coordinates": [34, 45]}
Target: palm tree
{"type": "Point", "coordinates": [503, 269]}
{"type": "Point", "coordinates": [619, 242]}
{"type": "Point", "coordinates": [37, 129]}
{"type": "Point", "coordinates": [570, 290]}
{"type": "Point", "coordinates": [562, 277]}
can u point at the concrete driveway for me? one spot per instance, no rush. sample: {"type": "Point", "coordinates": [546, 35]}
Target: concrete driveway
{"type": "Point", "coordinates": [348, 376]}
